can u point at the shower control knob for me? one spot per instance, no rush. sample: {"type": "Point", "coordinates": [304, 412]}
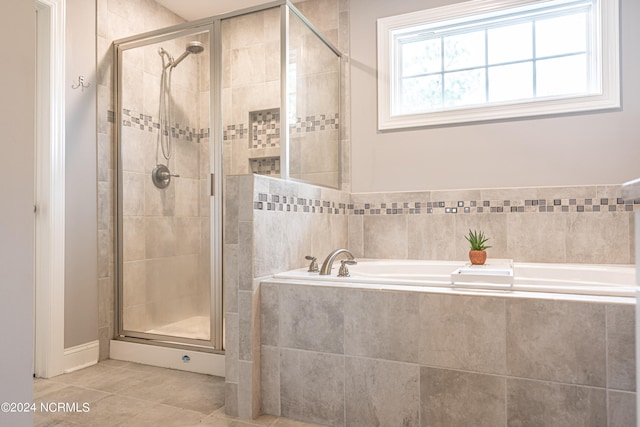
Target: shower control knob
{"type": "Point", "coordinates": [161, 176]}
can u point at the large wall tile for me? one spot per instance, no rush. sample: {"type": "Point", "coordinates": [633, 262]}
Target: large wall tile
{"type": "Point", "coordinates": [430, 237]}
{"type": "Point", "coordinates": [247, 65]}
{"type": "Point", "coordinates": [133, 232]}
{"type": "Point", "coordinates": [621, 347]}
{"type": "Point", "coordinates": [160, 237]}
{"type": "Point", "coordinates": [270, 380]}
{"type": "Point", "coordinates": [270, 244]}
{"type": "Point", "coordinates": [231, 347]}
{"type": "Point", "coordinates": [132, 187]}
{"type": "Point", "coordinates": [621, 409]}
{"type": "Point", "coordinates": [599, 238]}
{"type": "Point", "coordinates": [312, 387]}
{"type": "Point", "coordinates": [269, 314]}
{"type": "Point", "coordinates": [385, 236]}
{"type": "Point", "coordinates": [382, 325]}
{"type": "Point", "coordinates": [245, 326]}
{"type": "Point", "coordinates": [230, 278]}
{"type": "Point", "coordinates": [545, 404]}
{"type": "Point", "coordinates": [312, 318]}
{"type": "Point", "coordinates": [291, 384]}
{"type": "Point", "coordinates": [463, 332]}
{"type": "Point", "coordinates": [494, 227]}
{"type": "Point", "coordinates": [535, 237]}
{"type": "Point", "coordinates": [158, 201]}
{"type": "Point", "coordinates": [188, 236]}
{"type": "Point", "coordinates": [556, 340]}
{"type": "Point", "coordinates": [460, 399]}
{"type": "Point", "coordinates": [381, 393]}
{"type": "Point", "coordinates": [245, 255]}
{"type": "Point", "coordinates": [231, 198]}
{"type": "Point", "coordinates": [356, 236]}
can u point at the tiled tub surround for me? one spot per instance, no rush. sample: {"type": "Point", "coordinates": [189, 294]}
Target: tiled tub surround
{"type": "Point", "coordinates": [258, 243]}
{"type": "Point", "coordinates": [342, 356]}
{"type": "Point", "coordinates": [271, 225]}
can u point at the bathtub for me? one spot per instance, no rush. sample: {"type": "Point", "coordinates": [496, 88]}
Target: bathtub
{"type": "Point", "coordinates": [539, 280]}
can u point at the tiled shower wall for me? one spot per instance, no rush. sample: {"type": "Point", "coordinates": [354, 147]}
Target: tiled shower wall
{"type": "Point", "coordinates": [116, 19]}
{"type": "Point", "coordinates": [314, 138]}
{"type": "Point", "coordinates": [251, 84]}
{"type": "Point", "coordinates": [270, 226]}
{"type": "Point", "coordinates": [331, 18]}
{"type": "Point", "coordinates": [583, 224]}
{"type": "Point", "coordinates": [165, 231]}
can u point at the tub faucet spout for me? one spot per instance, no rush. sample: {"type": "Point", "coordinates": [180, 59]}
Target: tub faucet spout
{"type": "Point", "coordinates": [327, 265]}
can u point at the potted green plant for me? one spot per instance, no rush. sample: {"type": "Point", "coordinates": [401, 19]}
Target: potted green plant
{"type": "Point", "coordinates": [478, 253]}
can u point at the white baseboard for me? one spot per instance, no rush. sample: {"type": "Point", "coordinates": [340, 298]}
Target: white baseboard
{"type": "Point", "coordinates": [166, 357]}
{"type": "Point", "coordinates": [81, 356]}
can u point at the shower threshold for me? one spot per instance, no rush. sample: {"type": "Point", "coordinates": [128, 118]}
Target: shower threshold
{"type": "Point", "coordinates": [196, 327]}
{"type": "Point", "coordinates": [168, 357]}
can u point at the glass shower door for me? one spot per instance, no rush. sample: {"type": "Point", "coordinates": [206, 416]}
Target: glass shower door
{"type": "Point", "coordinates": [167, 280]}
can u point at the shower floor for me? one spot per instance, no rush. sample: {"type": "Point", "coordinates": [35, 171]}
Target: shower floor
{"type": "Point", "coordinates": [196, 327]}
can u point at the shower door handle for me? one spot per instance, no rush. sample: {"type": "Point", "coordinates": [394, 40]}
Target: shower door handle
{"type": "Point", "coordinates": [213, 184]}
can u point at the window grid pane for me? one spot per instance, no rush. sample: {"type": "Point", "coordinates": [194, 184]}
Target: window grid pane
{"type": "Point", "coordinates": [478, 57]}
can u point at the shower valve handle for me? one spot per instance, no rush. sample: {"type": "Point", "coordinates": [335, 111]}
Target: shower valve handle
{"type": "Point", "coordinates": [161, 176]}
{"type": "Point", "coordinates": [165, 175]}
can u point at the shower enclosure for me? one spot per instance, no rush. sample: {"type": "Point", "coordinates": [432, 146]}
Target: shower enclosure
{"type": "Point", "coordinates": [194, 103]}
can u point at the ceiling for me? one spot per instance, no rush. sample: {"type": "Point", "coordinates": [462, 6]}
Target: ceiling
{"type": "Point", "coordinates": [196, 9]}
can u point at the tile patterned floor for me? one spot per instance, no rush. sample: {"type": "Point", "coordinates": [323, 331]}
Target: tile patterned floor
{"type": "Point", "coordinates": [130, 394]}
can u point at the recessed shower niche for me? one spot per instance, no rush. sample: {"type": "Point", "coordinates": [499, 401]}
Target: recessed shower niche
{"type": "Point", "coordinates": [264, 142]}
{"type": "Point", "coordinates": [265, 129]}
{"type": "Point", "coordinates": [253, 91]}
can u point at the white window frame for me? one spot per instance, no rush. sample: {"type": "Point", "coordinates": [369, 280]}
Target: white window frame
{"type": "Point", "coordinates": [606, 50]}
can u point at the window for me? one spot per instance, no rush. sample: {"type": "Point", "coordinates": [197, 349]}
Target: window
{"type": "Point", "coordinates": [492, 59]}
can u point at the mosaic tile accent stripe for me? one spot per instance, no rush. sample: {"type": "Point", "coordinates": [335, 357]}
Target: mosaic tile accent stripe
{"type": "Point", "coordinates": [315, 123]}
{"type": "Point", "coordinates": [149, 123]}
{"type": "Point", "coordinates": [276, 202]}
{"type": "Point", "coordinates": [282, 203]}
{"type": "Point", "coordinates": [497, 206]}
{"type": "Point", "coordinates": [265, 129]}
{"type": "Point", "coordinates": [233, 132]}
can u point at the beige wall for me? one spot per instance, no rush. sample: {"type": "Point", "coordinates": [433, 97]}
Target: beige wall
{"type": "Point", "coordinates": [81, 290]}
{"type": "Point", "coordinates": [595, 148]}
{"type": "Point", "coordinates": [17, 22]}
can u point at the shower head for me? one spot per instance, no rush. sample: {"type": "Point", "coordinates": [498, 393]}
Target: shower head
{"type": "Point", "coordinates": [195, 47]}
{"type": "Point", "coordinates": [192, 47]}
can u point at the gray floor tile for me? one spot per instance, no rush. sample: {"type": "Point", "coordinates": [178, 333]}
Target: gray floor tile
{"type": "Point", "coordinates": [126, 394]}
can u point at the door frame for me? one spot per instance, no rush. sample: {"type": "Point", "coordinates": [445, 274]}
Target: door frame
{"type": "Point", "coordinates": [49, 189]}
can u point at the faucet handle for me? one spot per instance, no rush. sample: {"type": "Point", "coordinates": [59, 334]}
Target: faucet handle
{"type": "Point", "coordinates": [313, 266]}
{"type": "Point", "coordinates": [344, 270]}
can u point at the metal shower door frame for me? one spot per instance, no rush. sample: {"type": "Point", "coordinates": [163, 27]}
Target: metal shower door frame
{"type": "Point", "coordinates": [212, 27]}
